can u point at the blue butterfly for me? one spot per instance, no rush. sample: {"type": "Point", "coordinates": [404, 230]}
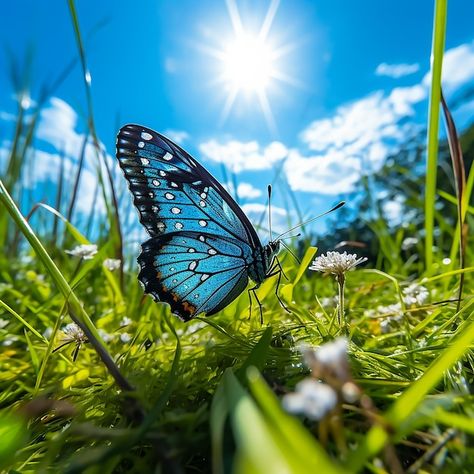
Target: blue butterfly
{"type": "Point", "coordinates": [203, 249]}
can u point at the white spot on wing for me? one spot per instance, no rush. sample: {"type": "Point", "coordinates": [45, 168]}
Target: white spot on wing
{"type": "Point", "coordinates": [141, 144]}
{"type": "Point", "coordinates": [212, 252]}
{"type": "Point", "coordinates": [156, 182]}
{"type": "Point", "coordinates": [192, 265]}
{"type": "Point", "coordinates": [162, 173]}
{"type": "Point", "coordinates": [204, 277]}
{"type": "Point", "coordinates": [169, 196]}
{"type": "Point", "coordinates": [191, 250]}
{"type": "Point", "coordinates": [203, 223]}
{"type": "Point", "coordinates": [146, 136]}
{"type": "Point", "coordinates": [178, 225]}
{"type": "Point", "coordinates": [202, 204]}
{"type": "Point", "coordinates": [173, 184]}
{"type": "Point", "coordinates": [145, 161]}
{"type": "Point", "coordinates": [175, 210]}
{"type": "Point", "coordinates": [160, 226]}
{"type": "Point", "coordinates": [202, 238]}
{"type": "Point", "coordinates": [168, 156]}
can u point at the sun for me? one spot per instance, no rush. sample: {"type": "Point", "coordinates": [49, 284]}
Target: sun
{"type": "Point", "coordinates": [247, 63]}
{"type": "Point", "coordinates": [250, 63]}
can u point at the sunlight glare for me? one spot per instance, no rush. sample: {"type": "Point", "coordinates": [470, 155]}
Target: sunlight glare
{"type": "Point", "coordinates": [248, 63]}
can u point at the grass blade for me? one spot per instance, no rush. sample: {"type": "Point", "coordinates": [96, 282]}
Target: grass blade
{"type": "Point", "coordinates": [439, 33]}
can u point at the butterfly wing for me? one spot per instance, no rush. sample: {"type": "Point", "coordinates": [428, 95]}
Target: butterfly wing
{"type": "Point", "coordinates": [202, 244]}
{"type": "Point", "coordinates": [194, 272]}
{"type": "Point", "coordinates": [173, 192]}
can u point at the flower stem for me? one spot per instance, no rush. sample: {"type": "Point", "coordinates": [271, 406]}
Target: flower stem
{"type": "Point", "coordinates": [341, 279]}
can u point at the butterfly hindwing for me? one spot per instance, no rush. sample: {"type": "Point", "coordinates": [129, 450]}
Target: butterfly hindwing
{"type": "Point", "coordinates": [194, 272]}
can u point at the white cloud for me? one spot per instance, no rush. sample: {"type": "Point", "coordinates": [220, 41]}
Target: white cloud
{"type": "Point", "coordinates": [328, 173]}
{"type": "Point", "coordinates": [46, 168]}
{"type": "Point", "coordinates": [257, 213]}
{"type": "Point", "coordinates": [396, 70]}
{"type": "Point", "coordinates": [239, 156]}
{"type": "Point", "coordinates": [244, 190]}
{"type": "Point", "coordinates": [178, 136]}
{"type": "Point", "coordinates": [458, 68]}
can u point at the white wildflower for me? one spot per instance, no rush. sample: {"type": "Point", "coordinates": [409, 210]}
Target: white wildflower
{"type": "Point", "coordinates": [409, 242]}
{"type": "Point", "coordinates": [112, 264]}
{"type": "Point", "coordinates": [329, 301]}
{"type": "Point", "coordinates": [311, 398]}
{"type": "Point", "coordinates": [336, 263]}
{"type": "Point", "coordinates": [331, 357]}
{"type": "Point", "coordinates": [106, 337]}
{"type": "Point", "coordinates": [392, 314]}
{"type": "Point", "coordinates": [125, 337]}
{"type": "Point", "coordinates": [10, 340]}
{"type": "Point", "coordinates": [3, 323]}
{"type": "Point", "coordinates": [73, 332]}
{"type": "Point", "coordinates": [415, 294]}
{"type": "Point", "coordinates": [83, 251]}
{"type": "Point", "coordinates": [125, 321]}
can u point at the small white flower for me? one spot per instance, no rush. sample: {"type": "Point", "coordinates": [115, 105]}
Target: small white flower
{"type": "Point", "coordinates": [10, 340]}
{"type": "Point", "coordinates": [415, 294]}
{"type": "Point", "coordinates": [3, 323]}
{"type": "Point", "coordinates": [331, 301]}
{"type": "Point", "coordinates": [336, 263]}
{"type": "Point", "coordinates": [112, 264]}
{"type": "Point", "coordinates": [83, 251]}
{"type": "Point", "coordinates": [73, 332]}
{"type": "Point", "coordinates": [331, 356]}
{"type": "Point", "coordinates": [125, 321]}
{"type": "Point", "coordinates": [311, 398]}
{"type": "Point", "coordinates": [409, 242]}
{"type": "Point", "coordinates": [125, 337]}
{"type": "Point", "coordinates": [106, 337]}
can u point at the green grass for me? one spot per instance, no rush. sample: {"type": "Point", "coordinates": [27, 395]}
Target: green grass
{"type": "Point", "coordinates": [149, 393]}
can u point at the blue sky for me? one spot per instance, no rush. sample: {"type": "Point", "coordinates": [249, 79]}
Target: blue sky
{"type": "Point", "coordinates": [355, 85]}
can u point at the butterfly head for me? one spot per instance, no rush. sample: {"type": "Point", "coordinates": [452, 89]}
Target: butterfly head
{"type": "Point", "coordinates": [271, 249]}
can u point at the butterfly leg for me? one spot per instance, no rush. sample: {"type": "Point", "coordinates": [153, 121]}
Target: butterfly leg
{"type": "Point", "coordinates": [278, 270]}
{"type": "Point", "coordinates": [253, 290]}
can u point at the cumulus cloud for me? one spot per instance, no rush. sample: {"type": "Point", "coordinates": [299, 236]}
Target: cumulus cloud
{"type": "Point", "coordinates": [178, 136]}
{"type": "Point", "coordinates": [458, 68]}
{"type": "Point", "coordinates": [257, 213]}
{"type": "Point", "coordinates": [396, 70]}
{"type": "Point", "coordinates": [329, 173]}
{"type": "Point", "coordinates": [244, 190]}
{"type": "Point", "coordinates": [58, 130]}
{"type": "Point", "coordinates": [239, 156]}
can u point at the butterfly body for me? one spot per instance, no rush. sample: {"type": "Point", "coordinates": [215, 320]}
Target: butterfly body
{"type": "Point", "coordinates": [202, 248]}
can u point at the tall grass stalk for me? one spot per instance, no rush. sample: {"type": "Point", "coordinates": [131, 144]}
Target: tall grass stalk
{"type": "Point", "coordinates": [439, 34]}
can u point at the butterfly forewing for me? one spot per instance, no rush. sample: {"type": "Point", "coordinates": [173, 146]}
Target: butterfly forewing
{"type": "Point", "coordinates": [203, 247]}
{"type": "Point", "coordinates": [172, 192]}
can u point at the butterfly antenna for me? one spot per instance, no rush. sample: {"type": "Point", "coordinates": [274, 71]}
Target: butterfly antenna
{"type": "Point", "coordinates": [269, 189]}
{"type": "Point", "coordinates": [312, 219]}
{"type": "Point", "coordinates": [290, 251]}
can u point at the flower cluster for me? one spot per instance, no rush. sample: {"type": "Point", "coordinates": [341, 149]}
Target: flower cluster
{"type": "Point", "coordinates": [112, 264]}
{"type": "Point", "coordinates": [73, 333]}
{"type": "Point", "coordinates": [336, 263]}
{"type": "Point", "coordinates": [317, 396]}
{"type": "Point", "coordinates": [83, 251]}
